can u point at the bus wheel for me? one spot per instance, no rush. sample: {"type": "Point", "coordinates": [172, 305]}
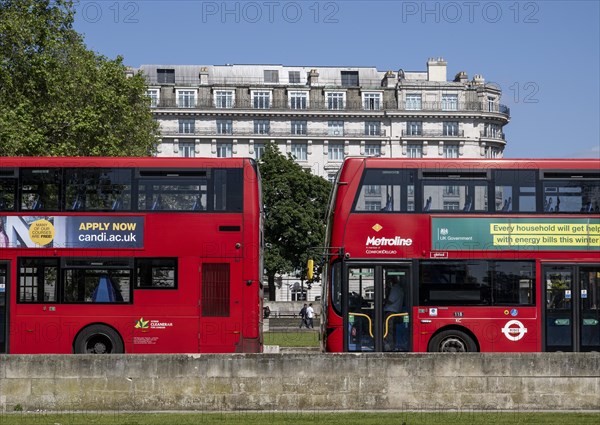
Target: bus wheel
{"type": "Point", "coordinates": [452, 341]}
{"type": "Point", "coordinates": [98, 339]}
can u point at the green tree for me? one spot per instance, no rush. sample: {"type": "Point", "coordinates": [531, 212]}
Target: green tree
{"type": "Point", "coordinates": [295, 203]}
{"type": "Point", "coordinates": [59, 98]}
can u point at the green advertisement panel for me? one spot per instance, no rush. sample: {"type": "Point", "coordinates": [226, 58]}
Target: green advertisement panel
{"type": "Point", "coordinates": [452, 234]}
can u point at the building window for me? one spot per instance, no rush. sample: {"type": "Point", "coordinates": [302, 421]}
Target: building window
{"type": "Point", "coordinates": [372, 128]}
{"type": "Point", "coordinates": [298, 127]}
{"type": "Point", "coordinates": [271, 76]}
{"type": "Point", "coordinates": [259, 150]}
{"type": "Point", "coordinates": [491, 130]}
{"type": "Point", "coordinates": [414, 128]}
{"type": "Point", "coordinates": [224, 127]}
{"type": "Point", "coordinates": [331, 178]}
{"type": "Point", "coordinates": [294, 77]}
{"type": "Point", "coordinates": [224, 150]}
{"type": "Point", "coordinates": [165, 76]}
{"type": "Point", "coordinates": [299, 151]}
{"type": "Point", "coordinates": [349, 78]}
{"type": "Point", "coordinates": [414, 151]}
{"type": "Point", "coordinates": [298, 100]}
{"type": "Point", "coordinates": [224, 99]}
{"type": "Point", "coordinates": [372, 101]}
{"type": "Point", "coordinates": [154, 95]}
{"type": "Point", "coordinates": [492, 152]}
{"type": "Point", "coordinates": [261, 126]}
{"type": "Point", "coordinates": [372, 205]}
{"type": "Point", "coordinates": [336, 100]}
{"type": "Point", "coordinates": [450, 151]}
{"type": "Point", "coordinates": [413, 102]}
{"type": "Point", "coordinates": [373, 149]}
{"type": "Point", "coordinates": [186, 98]}
{"type": "Point", "coordinates": [449, 102]}
{"type": "Point", "coordinates": [335, 128]}
{"type": "Point", "coordinates": [261, 99]}
{"type": "Point", "coordinates": [186, 149]}
{"type": "Point", "coordinates": [491, 104]}
{"type": "Point", "coordinates": [336, 152]}
{"type": "Point", "coordinates": [450, 128]}
{"type": "Point", "coordinates": [187, 125]}
{"type": "Point", "coordinates": [451, 206]}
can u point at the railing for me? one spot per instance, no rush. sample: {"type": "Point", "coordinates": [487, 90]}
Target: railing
{"type": "Point", "coordinates": [491, 135]}
{"type": "Point", "coordinates": [208, 103]}
{"type": "Point", "coordinates": [272, 133]}
{"type": "Point", "coordinates": [433, 133]}
{"type": "Point", "coordinates": [258, 81]}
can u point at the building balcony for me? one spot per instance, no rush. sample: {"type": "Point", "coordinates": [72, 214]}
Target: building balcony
{"type": "Point", "coordinates": [432, 134]}
{"type": "Point", "coordinates": [385, 107]}
{"type": "Point", "coordinates": [322, 134]}
{"type": "Point", "coordinates": [493, 135]}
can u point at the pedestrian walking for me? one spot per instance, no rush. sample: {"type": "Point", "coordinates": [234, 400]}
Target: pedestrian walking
{"type": "Point", "coordinates": [310, 314]}
{"type": "Point", "coordinates": [303, 319]}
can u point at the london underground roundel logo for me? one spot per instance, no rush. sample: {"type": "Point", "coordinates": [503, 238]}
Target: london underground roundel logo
{"type": "Point", "coordinates": [514, 330]}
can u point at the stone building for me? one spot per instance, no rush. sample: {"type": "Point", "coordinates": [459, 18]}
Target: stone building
{"type": "Point", "coordinates": [322, 114]}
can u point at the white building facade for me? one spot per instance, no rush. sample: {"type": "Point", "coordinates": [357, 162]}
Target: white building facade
{"type": "Point", "coordinates": [322, 114]}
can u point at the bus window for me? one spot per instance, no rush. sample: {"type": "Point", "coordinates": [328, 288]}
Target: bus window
{"type": "Point", "coordinates": [156, 273]}
{"type": "Point", "coordinates": [454, 283]}
{"type": "Point", "coordinates": [455, 195]}
{"type": "Point", "coordinates": [514, 282]}
{"type": "Point", "coordinates": [386, 191]}
{"type": "Point", "coordinates": [514, 191]}
{"type": "Point", "coordinates": [572, 196]}
{"type": "Point", "coordinates": [89, 280]}
{"type": "Point", "coordinates": [8, 190]}
{"type": "Point", "coordinates": [40, 189]}
{"type": "Point", "coordinates": [37, 279]}
{"type": "Point", "coordinates": [98, 189]}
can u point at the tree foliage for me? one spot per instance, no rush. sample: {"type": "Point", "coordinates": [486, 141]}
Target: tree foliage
{"type": "Point", "coordinates": [295, 203]}
{"type": "Point", "coordinates": [58, 98]}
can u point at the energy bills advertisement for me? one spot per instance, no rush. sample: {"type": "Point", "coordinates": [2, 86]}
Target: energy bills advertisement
{"type": "Point", "coordinates": [451, 234]}
{"type": "Point", "coordinates": [71, 232]}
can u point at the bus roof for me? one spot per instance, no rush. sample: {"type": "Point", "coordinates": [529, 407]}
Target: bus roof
{"type": "Point", "coordinates": [118, 162]}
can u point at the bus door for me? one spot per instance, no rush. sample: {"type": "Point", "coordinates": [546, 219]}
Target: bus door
{"type": "Point", "coordinates": [572, 307]}
{"type": "Point", "coordinates": [4, 302]}
{"type": "Point", "coordinates": [377, 307]}
{"type": "Point", "coordinates": [220, 305]}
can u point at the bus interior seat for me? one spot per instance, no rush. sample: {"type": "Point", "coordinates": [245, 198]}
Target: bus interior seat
{"type": "Point", "coordinates": [427, 206]}
{"type": "Point", "coordinates": [587, 207]}
{"type": "Point", "coordinates": [37, 204]}
{"type": "Point", "coordinates": [106, 291]}
{"type": "Point", "coordinates": [468, 205]}
{"type": "Point", "coordinates": [506, 206]}
{"type": "Point", "coordinates": [76, 204]}
{"type": "Point", "coordinates": [197, 205]}
{"type": "Point", "coordinates": [156, 205]}
{"type": "Point", "coordinates": [117, 204]}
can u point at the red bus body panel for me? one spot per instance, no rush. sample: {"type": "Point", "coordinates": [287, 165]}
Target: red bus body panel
{"type": "Point", "coordinates": [174, 316]}
{"type": "Point", "coordinates": [349, 231]}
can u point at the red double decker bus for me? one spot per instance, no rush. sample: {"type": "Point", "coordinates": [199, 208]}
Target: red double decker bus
{"type": "Point", "coordinates": [130, 255]}
{"type": "Point", "coordinates": [463, 255]}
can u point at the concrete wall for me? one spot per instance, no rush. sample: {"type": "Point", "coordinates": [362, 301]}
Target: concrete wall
{"type": "Point", "coordinates": [300, 381]}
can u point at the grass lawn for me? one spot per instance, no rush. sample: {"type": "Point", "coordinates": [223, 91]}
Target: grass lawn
{"type": "Point", "coordinates": [313, 418]}
{"type": "Point", "coordinates": [292, 339]}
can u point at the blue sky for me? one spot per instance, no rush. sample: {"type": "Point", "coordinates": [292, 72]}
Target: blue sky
{"type": "Point", "coordinates": [545, 55]}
